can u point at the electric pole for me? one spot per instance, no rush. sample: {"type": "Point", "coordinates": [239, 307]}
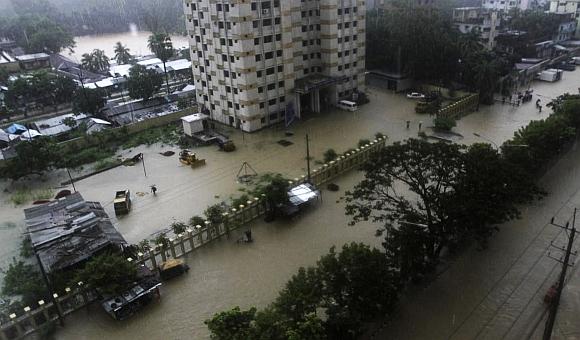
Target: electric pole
{"type": "Point", "coordinates": [308, 157]}
{"type": "Point", "coordinates": [565, 263]}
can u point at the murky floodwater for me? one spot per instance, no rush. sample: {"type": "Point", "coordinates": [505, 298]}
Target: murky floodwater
{"type": "Point", "coordinates": [226, 274]}
{"type": "Point", "coordinates": [136, 41]}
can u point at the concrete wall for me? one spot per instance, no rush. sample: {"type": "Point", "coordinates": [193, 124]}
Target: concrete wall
{"type": "Point", "coordinates": [130, 129]}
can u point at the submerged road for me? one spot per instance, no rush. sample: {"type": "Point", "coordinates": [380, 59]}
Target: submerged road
{"type": "Point", "coordinates": [468, 299]}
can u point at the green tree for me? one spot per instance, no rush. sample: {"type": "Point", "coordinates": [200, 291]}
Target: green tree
{"type": "Point", "coordinates": [234, 324]}
{"type": "Point", "coordinates": [110, 273]}
{"type": "Point", "coordinates": [24, 280]}
{"type": "Point", "coordinates": [89, 101]}
{"type": "Point", "coordinates": [143, 83]}
{"type": "Point", "coordinates": [160, 44]}
{"type": "Point", "coordinates": [427, 170]}
{"type": "Point", "coordinates": [488, 193]}
{"type": "Point", "coordinates": [33, 157]}
{"type": "Point", "coordinates": [196, 220]}
{"type": "Point", "coordinates": [122, 55]}
{"type": "Point", "coordinates": [301, 296]}
{"type": "Point", "coordinates": [351, 296]}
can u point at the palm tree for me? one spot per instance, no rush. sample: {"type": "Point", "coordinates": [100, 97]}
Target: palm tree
{"type": "Point", "coordinates": [101, 60]}
{"type": "Point", "coordinates": [87, 61]}
{"type": "Point", "coordinates": [160, 44]}
{"type": "Point", "coordinates": [122, 54]}
{"type": "Point", "coordinates": [95, 61]}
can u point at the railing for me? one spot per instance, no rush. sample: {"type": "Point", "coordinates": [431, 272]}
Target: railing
{"type": "Point", "coordinates": [31, 320]}
{"type": "Point", "coordinates": [460, 107]}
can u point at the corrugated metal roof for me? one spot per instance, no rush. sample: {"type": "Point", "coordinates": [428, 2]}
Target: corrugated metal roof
{"type": "Point", "coordinates": [69, 230]}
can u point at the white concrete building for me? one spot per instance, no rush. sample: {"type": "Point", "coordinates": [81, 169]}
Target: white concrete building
{"type": "Point", "coordinates": [486, 22]}
{"type": "Point", "coordinates": [257, 62]}
{"type": "Point", "coordinates": [568, 6]}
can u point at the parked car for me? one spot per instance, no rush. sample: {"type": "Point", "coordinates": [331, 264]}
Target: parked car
{"type": "Point", "coordinates": [415, 95]}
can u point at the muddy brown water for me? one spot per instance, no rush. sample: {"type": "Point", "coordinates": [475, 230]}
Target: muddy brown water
{"type": "Point", "coordinates": [226, 274]}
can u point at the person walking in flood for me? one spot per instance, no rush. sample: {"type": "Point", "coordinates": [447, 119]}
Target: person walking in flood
{"type": "Point", "coordinates": [154, 190]}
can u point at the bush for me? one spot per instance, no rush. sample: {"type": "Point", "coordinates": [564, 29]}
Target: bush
{"type": "Point", "coordinates": [363, 142]}
{"type": "Point", "coordinates": [178, 227]}
{"type": "Point", "coordinates": [196, 220]}
{"type": "Point", "coordinates": [444, 123]}
{"type": "Point", "coordinates": [330, 155]}
{"type": "Point", "coordinates": [214, 214]}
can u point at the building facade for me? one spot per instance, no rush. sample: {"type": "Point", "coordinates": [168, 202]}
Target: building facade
{"type": "Point", "coordinates": [571, 7]}
{"type": "Point", "coordinates": [486, 22]}
{"type": "Point", "coordinates": [507, 5]}
{"type": "Point", "coordinates": [257, 63]}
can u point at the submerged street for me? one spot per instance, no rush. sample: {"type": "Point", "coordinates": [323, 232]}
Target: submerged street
{"type": "Point", "coordinates": [483, 294]}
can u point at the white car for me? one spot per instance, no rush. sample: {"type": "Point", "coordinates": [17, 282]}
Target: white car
{"type": "Point", "coordinates": [415, 95]}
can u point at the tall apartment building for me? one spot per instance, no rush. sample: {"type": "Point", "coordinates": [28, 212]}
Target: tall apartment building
{"type": "Point", "coordinates": [256, 63]}
{"type": "Point", "coordinates": [485, 22]}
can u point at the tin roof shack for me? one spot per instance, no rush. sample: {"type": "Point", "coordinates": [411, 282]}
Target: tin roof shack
{"type": "Point", "coordinates": [33, 61]}
{"type": "Point", "coordinates": [299, 197]}
{"type": "Point", "coordinates": [67, 232]}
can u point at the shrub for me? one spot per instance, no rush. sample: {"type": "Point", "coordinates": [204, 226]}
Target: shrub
{"type": "Point", "coordinates": [330, 155]}
{"type": "Point", "coordinates": [444, 123]}
{"type": "Point", "coordinates": [214, 214]}
{"type": "Point", "coordinates": [196, 220]}
{"type": "Point", "coordinates": [178, 227]}
{"type": "Point", "coordinates": [363, 142]}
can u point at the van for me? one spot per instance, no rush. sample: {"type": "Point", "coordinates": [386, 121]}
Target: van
{"type": "Point", "coordinates": [347, 105]}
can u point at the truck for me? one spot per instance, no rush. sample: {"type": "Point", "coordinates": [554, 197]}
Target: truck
{"type": "Point", "coordinates": [122, 202]}
{"type": "Point", "coordinates": [550, 75]}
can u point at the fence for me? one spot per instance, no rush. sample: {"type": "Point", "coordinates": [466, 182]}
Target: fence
{"type": "Point", "coordinates": [73, 299]}
{"type": "Point", "coordinates": [461, 107]}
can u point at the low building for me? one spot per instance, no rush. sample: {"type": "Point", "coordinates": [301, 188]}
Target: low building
{"type": "Point", "coordinates": [483, 21]}
{"type": "Point", "coordinates": [58, 125]}
{"type": "Point", "coordinates": [67, 232]}
{"type": "Point", "coordinates": [33, 61]}
{"type": "Point", "coordinates": [8, 62]}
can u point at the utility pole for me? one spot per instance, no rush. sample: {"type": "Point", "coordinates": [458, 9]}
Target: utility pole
{"type": "Point", "coordinates": [71, 180]}
{"type": "Point", "coordinates": [308, 157]}
{"type": "Point", "coordinates": [50, 290]}
{"type": "Point", "coordinates": [565, 263]}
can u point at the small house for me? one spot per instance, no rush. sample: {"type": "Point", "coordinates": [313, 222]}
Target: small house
{"type": "Point", "coordinates": [194, 123]}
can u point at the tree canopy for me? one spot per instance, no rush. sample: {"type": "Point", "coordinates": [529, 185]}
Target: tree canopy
{"type": "Point", "coordinates": [429, 196]}
{"type": "Point", "coordinates": [95, 61]}
{"type": "Point", "coordinates": [32, 157]}
{"type": "Point", "coordinates": [339, 287]}
{"type": "Point", "coordinates": [143, 83]}
{"type": "Point", "coordinates": [41, 87]}
{"type": "Point", "coordinates": [38, 33]}
{"type": "Point", "coordinates": [89, 101]}
{"type": "Point", "coordinates": [110, 273]}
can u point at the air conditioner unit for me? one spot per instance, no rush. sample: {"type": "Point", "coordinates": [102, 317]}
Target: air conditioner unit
{"type": "Point", "coordinates": [266, 11]}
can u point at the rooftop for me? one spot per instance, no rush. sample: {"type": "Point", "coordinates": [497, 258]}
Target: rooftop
{"type": "Point", "coordinates": [70, 230]}
{"type": "Point", "coordinates": [32, 57]}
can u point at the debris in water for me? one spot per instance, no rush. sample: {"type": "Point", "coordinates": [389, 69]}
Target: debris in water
{"type": "Point", "coordinates": [167, 153]}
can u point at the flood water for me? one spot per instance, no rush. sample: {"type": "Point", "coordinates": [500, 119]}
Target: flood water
{"type": "Point", "coordinates": [136, 41]}
{"type": "Point", "coordinates": [225, 274]}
